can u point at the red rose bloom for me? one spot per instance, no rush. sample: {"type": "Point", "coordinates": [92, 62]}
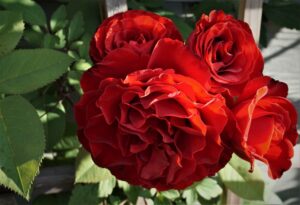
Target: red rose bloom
{"type": "Point", "coordinates": [266, 123]}
{"type": "Point", "coordinates": [130, 36]}
{"type": "Point", "coordinates": [175, 50]}
{"type": "Point", "coordinates": [155, 129]}
{"type": "Point", "coordinates": [228, 47]}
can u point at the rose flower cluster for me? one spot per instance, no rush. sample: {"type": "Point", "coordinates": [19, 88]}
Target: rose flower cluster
{"type": "Point", "coordinates": [160, 112]}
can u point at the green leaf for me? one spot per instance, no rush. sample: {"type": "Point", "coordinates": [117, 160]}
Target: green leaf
{"type": "Point", "coordinates": [33, 38]}
{"type": "Point", "coordinates": [67, 142]}
{"type": "Point", "coordinates": [76, 28]}
{"type": "Point", "coordinates": [208, 189]}
{"type": "Point", "coordinates": [49, 41]}
{"type": "Point", "coordinates": [152, 3]}
{"type": "Point", "coordinates": [106, 187]}
{"type": "Point", "coordinates": [170, 194]}
{"type": "Point", "coordinates": [161, 200]}
{"type": "Point", "coordinates": [53, 118]}
{"type": "Point", "coordinates": [22, 144]}
{"type": "Point", "coordinates": [52, 199]}
{"type": "Point", "coordinates": [11, 29]}
{"type": "Point", "coordinates": [58, 19]}
{"type": "Point", "coordinates": [61, 43]}
{"type": "Point", "coordinates": [32, 12]}
{"type": "Point", "coordinates": [91, 13]}
{"type": "Point", "coordinates": [25, 70]}
{"type": "Point", "coordinates": [133, 192]}
{"type": "Point", "coordinates": [85, 194]}
{"type": "Point", "coordinates": [206, 6]}
{"type": "Point", "coordinates": [184, 28]}
{"type": "Point", "coordinates": [133, 4]}
{"type": "Point", "coordinates": [190, 195]}
{"type": "Point", "coordinates": [87, 171]}
{"type": "Point", "coordinates": [236, 177]}
{"type": "Point", "coordinates": [283, 13]}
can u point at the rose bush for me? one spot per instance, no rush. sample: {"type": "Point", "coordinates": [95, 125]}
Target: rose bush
{"type": "Point", "coordinates": [162, 129]}
{"type": "Point", "coordinates": [159, 113]}
{"type": "Point", "coordinates": [228, 47]}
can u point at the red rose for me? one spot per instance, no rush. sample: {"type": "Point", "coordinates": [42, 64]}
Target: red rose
{"type": "Point", "coordinates": [266, 123]}
{"type": "Point", "coordinates": [155, 128]}
{"type": "Point", "coordinates": [168, 53]}
{"type": "Point", "coordinates": [228, 47]}
{"type": "Point", "coordinates": [130, 36]}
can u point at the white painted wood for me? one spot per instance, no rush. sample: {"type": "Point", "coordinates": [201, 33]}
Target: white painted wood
{"type": "Point", "coordinates": [112, 7]}
{"type": "Point", "coordinates": [250, 11]}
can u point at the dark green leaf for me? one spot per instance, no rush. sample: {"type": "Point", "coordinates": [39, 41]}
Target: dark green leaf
{"type": "Point", "coordinates": [283, 13]}
{"type": "Point", "coordinates": [206, 6]}
{"type": "Point", "coordinates": [152, 3]}
{"type": "Point", "coordinates": [76, 28]}
{"type": "Point", "coordinates": [183, 27]}
{"type": "Point", "coordinates": [22, 144]}
{"type": "Point", "coordinates": [52, 199]}
{"type": "Point", "coordinates": [49, 41]}
{"type": "Point", "coordinates": [85, 194]}
{"type": "Point", "coordinates": [33, 38]}
{"type": "Point", "coordinates": [32, 12]}
{"type": "Point", "coordinates": [58, 19]}
{"type": "Point", "coordinates": [26, 70]}
{"type": "Point", "coordinates": [91, 13]}
{"type": "Point", "coordinates": [236, 177]}
{"type": "Point", "coordinates": [133, 4]}
{"type": "Point", "coordinates": [11, 29]}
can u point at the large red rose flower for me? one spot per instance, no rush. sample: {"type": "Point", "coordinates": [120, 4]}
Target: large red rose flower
{"type": "Point", "coordinates": [228, 47]}
{"type": "Point", "coordinates": [131, 35]}
{"type": "Point", "coordinates": [168, 53]}
{"type": "Point", "coordinates": [266, 123]}
{"type": "Point", "coordinates": [155, 128]}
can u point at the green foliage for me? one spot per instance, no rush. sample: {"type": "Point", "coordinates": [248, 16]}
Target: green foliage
{"type": "Point", "coordinates": [26, 70]}
{"type": "Point", "coordinates": [32, 12]}
{"type": "Point", "coordinates": [58, 19]}
{"type": "Point", "coordinates": [205, 6]}
{"type": "Point", "coordinates": [52, 115]}
{"type": "Point", "coordinates": [19, 161]}
{"type": "Point", "coordinates": [87, 171]}
{"type": "Point", "coordinates": [85, 194]}
{"type": "Point", "coordinates": [91, 13]}
{"type": "Point", "coordinates": [237, 178]}
{"type": "Point", "coordinates": [11, 29]}
{"type": "Point", "coordinates": [208, 189]}
{"type": "Point", "coordinates": [184, 28]}
{"type": "Point", "coordinates": [76, 28]}
{"type": "Point", "coordinates": [283, 13]}
{"type": "Point", "coordinates": [170, 194]}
